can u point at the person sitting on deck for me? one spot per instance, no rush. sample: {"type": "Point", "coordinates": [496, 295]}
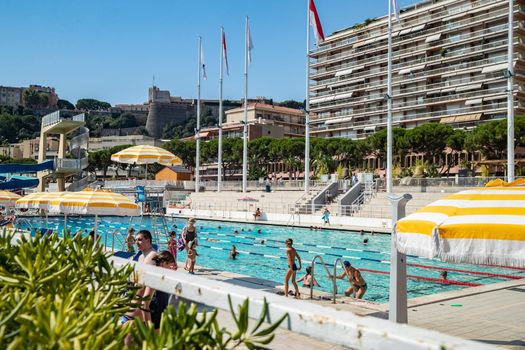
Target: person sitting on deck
{"type": "Point", "coordinates": [257, 214]}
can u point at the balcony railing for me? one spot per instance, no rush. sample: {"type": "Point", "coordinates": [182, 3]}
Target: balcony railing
{"type": "Point", "coordinates": [401, 53]}
{"type": "Point", "coordinates": [457, 54]}
{"type": "Point", "coordinates": [56, 117]}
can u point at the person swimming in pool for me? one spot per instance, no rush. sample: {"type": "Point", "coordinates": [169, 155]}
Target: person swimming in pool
{"type": "Point", "coordinates": [308, 280]}
{"type": "Point", "coordinates": [292, 255]}
{"type": "Point", "coordinates": [357, 282]}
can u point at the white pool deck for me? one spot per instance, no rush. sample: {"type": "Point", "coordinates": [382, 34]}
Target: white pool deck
{"type": "Point", "coordinates": [493, 314]}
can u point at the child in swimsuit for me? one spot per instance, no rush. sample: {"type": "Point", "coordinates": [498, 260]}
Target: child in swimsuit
{"type": "Point", "coordinates": [190, 260]}
{"type": "Point", "coordinates": [292, 255]}
{"type": "Point", "coordinates": [308, 279]}
{"type": "Point", "coordinates": [172, 247]}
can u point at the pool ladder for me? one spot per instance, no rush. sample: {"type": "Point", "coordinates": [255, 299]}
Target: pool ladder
{"type": "Point", "coordinates": [331, 276]}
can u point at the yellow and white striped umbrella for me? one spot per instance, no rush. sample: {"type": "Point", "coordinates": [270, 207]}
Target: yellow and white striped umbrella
{"type": "Point", "coordinates": [146, 155]}
{"type": "Point", "coordinates": [478, 226]}
{"type": "Point", "coordinates": [8, 199]}
{"type": "Point", "coordinates": [95, 202]}
{"type": "Point", "coordinates": [38, 200]}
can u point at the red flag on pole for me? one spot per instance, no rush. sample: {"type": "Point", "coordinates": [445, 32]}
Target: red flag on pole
{"type": "Point", "coordinates": [316, 23]}
{"type": "Point", "coordinates": [224, 53]}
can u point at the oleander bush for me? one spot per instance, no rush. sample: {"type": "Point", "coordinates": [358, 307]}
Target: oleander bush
{"type": "Point", "coordinates": [64, 293]}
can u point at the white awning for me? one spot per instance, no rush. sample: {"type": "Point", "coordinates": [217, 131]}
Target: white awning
{"type": "Point", "coordinates": [322, 99]}
{"type": "Point", "coordinates": [492, 98]}
{"type": "Point", "coordinates": [342, 96]}
{"type": "Point", "coordinates": [344, 72]}
{"type": "Point", "coordinates": [469, 87]}
{"type": "Point", "coordinates": [369, 128]}
{"type": "Point", "coordinates": [449, 89]}
{"type": "Point", "coordinates": [359, 44]}
{"type": "Point", "coordinates": [433, 37]}
{"type": "Point", "coordinates": [474, 101]}
{"type": "Point", "coordinates": [418, 67]}
{"type": "Point", "coordinates": [338, 120]}
{"type": "Point", "coordinates": [494, 68]}
{"type": "Point", "coordinates": [412, 69]}
{"type": "Point", "coordinates": [417, 28]}
{"type": "Point", "coordinates": [405, 31]}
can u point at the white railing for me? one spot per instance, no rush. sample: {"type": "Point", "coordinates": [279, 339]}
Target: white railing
{"type": "Point", "coordinates": [66, 163]}
{"type": "Point", "coordinates": [438, 184]}
{"type": "Point", "coordinates": [55, 117]}
{"type": "Point", "coordinates": [320, 322]}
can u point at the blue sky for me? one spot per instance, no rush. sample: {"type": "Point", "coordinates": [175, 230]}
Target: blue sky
{"type": "Point", "coordinates": [110, 49]}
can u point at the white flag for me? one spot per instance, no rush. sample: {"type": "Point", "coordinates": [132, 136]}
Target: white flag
{"type": "Point", "coordinates": [249, 43]}
{"type": "Point", "coordinates": [203, 64]}
{"type": "Point", "coordinates": [395, 8]}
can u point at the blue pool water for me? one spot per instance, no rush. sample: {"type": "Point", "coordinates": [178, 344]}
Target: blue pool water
{"type": "Point", "coordinates": [268, 260]}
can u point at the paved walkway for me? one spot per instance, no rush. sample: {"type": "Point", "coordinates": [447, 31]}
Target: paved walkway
{"type": "Point", "coordinates": [494, 314]}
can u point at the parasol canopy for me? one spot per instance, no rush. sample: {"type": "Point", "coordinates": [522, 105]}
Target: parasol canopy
{"type": "Point", "coordinates": [479, 226]}
{"type": "Point", "coordinates": [146, 155]}
{"type": "Point", "coordinates": [8, 199]}
{"type": "Point", "coordinates": [38, 200]}
{"type": "Point", "coordinates": [95, 202]}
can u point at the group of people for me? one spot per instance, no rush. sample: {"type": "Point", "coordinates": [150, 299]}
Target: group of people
{"type": "Point", "coordinates": [357, 282]}
{"type": "Point", "coordinates": [186, 241]}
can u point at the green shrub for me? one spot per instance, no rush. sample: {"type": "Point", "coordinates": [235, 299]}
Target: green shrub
{"type": "Point", "coordinates": [64, 293]}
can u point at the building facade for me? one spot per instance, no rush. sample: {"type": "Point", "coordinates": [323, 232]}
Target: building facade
{"type": "Point", "coordinates": [449, 66]}
{"type": "Point", "coordinates": [14, 96]}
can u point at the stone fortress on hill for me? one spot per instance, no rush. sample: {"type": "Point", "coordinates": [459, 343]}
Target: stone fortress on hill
{"type": "Point", "coordinates": [165, 109]}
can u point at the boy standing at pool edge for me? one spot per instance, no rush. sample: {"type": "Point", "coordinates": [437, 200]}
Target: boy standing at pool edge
{"type": "Point", "coordinates": [291, 254]}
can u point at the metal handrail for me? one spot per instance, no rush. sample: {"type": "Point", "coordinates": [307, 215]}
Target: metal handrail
{"type": "Point", "coordinates": [340, 260]}
{"type": "Point", "coordinates": [334, 288]}
{"type": "Point", "coordinates": [119, 239]}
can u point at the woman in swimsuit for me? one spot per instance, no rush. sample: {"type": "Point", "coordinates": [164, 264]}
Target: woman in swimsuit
{"type": "Point", "coordinates": [291, 254]}
{"type": "Point", "coordinates": [189, 233]}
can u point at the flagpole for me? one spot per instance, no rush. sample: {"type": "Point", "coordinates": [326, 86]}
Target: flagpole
{"type": "Point", "coordinates": [389, 104]}
{"type": "Point", "coordinates": [219, 152]}
{"type": "Point", "coordinates": [197, 131]}
{"type": "Point", "coordinates": [397, 299]}
{"type": "Point", "coordinates": [307, 105]}
{"type": "Point", "coordinates": [245, 129]}
{"type": "Point", "coordinates": [510, 96]}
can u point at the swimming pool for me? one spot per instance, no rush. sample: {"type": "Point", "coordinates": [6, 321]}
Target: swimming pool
{"type": "Point", "coordinates": [268, 260]}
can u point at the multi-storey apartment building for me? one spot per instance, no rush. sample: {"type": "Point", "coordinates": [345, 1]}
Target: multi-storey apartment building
{"type": "Point", "coordinates": [449, 66]}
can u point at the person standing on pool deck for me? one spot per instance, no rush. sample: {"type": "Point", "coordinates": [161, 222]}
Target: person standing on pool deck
{"type": "Point", "coordinates": [326, 216]}
{"type": "Point", "coordinates": [189, 233]}
{"type": "Point", "coordinates": [292, 255]}
{"type": "Point", "coordinates": [357, 282]}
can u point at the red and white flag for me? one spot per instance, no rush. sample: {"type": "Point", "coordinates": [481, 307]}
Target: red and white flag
{"type": "Point", "coordinates": [224, 52]}
{"type": "Point", "coordinates": [316, 23]}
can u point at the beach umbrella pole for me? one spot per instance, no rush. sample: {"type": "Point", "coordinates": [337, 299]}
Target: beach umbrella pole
{"type": "Point", "coordinates": [65, 224]}
{"type": "Point", "coordinates": [397, 303]}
